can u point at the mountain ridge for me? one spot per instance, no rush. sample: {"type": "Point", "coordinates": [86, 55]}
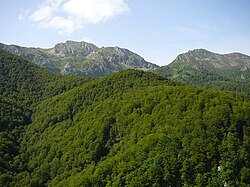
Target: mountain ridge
{"type": "Point", "coordinates": [199, 67]}
{"type": "Point", "coordinates": [81, 58]}
{"type": "Point", "coordinates": [229, 59]}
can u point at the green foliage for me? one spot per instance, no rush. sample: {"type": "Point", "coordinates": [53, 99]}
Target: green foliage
{"type": "Point", "coordinates": [131, 128]}
{"type": "Point", "coordinates": [158, 135]}
{"type": "Point", "coordinates": [22, 86]}
{"type": "Point", "coordinates": [212, 79]}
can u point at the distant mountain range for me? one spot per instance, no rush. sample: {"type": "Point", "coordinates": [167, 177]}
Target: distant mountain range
{"type": "Point", "coordinates": [81, 58]}
{"type": "Point", "coordinates": [198, 67]}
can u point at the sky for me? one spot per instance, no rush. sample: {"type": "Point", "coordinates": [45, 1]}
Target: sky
{"type": "Point", "coordinates": [157, 30]}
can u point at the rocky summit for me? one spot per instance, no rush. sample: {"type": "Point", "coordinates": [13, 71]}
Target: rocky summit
{"type": "Point", "coordinates": [82, 58]}
{"type": "Point", "coordinates": [200, 58]}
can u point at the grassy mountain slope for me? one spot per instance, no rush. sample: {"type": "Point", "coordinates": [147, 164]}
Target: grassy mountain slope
{"type": "Point", "coordinates": [81, 58]}
{"type": "Point", "coordinates": [210, 70]}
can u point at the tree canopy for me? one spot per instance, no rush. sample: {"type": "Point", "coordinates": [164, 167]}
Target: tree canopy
{"type": "Point", "coordinates": [131, 128]}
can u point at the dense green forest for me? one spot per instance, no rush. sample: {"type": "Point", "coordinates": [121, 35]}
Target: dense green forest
{"type": "Point", "coordinates": [131, 128]}
{"type": "Point", "coordinates": [221, 80]}
{"type": "Point", "coordinates": [22, 86]}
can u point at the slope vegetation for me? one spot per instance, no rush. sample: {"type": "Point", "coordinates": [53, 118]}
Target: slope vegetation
{"type": "Point", "coordinates": [131, 128]}
{"type": "Point", "coordinates": [22, 86]}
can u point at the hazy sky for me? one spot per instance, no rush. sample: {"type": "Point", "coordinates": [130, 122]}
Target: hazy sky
{"type": "Point", "coordinates": [158, 30]}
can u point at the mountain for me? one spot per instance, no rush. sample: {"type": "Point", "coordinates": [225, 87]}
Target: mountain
{"type": "Point", "coordinates": [210, 70]}
{"type": "Point", "coordinates": [198, 67]}
{"type": "Point", "coordinates": [81, 58]}
{"type": "Point", "coordinates": [130, 128]}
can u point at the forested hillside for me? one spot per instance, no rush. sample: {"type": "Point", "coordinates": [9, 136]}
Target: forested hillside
{"type": "Point", "coordinates": [22, 86]}
{"type": "Point", "coordinates": [23, 83]}
{"type": "Point", "coordinates": [131, 128]}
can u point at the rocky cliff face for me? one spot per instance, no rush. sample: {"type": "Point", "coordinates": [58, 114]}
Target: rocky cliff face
{"type": "Point", "coordinates": [200, 58]}
{"type": "Point", "coordinates": [82, 58]}
{"type": "Point", "coordinates": [71, 48]}
{"type": "Point", "coordinates": [125, 57]}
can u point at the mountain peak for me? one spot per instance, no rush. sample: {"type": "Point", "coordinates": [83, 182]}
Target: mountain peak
{"type": "Point", "coordinates": [199, 51]}
{"type": "Point", "coordinates": [73, 48]}
{"type": "Point", "coordinates": [201, 58]}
